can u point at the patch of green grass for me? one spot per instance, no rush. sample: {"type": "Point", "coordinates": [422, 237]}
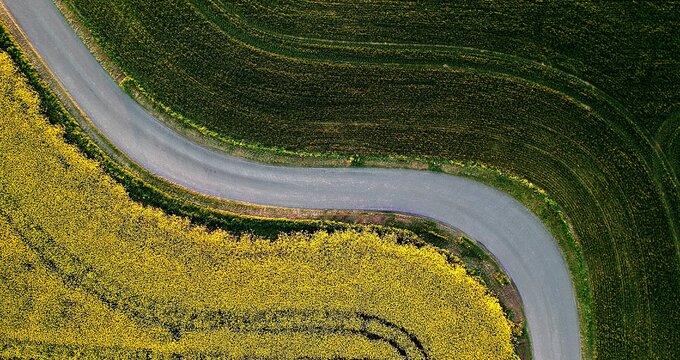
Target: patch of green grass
{"type": "Point", "coordinates": [470, 249]}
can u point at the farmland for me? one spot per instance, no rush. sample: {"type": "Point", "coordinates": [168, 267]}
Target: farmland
{"type": "Point", "coordinates": [580, 99]}
{"type": "Point", "coordinates": [86, 271]}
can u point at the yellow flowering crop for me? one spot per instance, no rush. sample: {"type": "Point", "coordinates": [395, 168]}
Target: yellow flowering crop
{"type": "Point", "coordinates": [84, 271]}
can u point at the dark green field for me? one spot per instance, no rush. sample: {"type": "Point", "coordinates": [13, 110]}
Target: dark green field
{"type": "Point", "coordinates": [582, 100]}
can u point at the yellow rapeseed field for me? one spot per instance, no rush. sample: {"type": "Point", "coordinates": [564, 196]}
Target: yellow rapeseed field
{"type": "Point", "coordinates": [85, 271]}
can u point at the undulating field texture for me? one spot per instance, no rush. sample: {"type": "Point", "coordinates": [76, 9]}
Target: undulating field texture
{"type": "Point", "coordinates": [579, 98]}
{"type": "Point", "coordinates": [86, 271]}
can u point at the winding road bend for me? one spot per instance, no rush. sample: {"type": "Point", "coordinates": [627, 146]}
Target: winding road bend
{"type": "Point", "coordinates": [514, 235]}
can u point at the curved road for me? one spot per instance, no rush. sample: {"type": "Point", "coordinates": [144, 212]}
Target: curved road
{"type": "Point", "coordinates": [516, 237]}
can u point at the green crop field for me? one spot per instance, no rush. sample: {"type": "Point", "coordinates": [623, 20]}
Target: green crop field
{"type": "Point", "coordinates": [582, 99]}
